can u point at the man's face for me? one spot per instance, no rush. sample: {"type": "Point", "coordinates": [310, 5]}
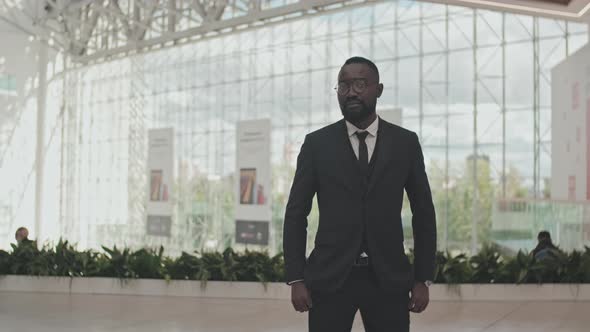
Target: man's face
{"type": "Point", "coordinates": [20, 235]}
{"type": "Point", "coordinates": [359, 89]}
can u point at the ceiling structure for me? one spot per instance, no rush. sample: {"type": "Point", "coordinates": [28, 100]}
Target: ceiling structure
{"type": "Point", "coordinates": [574, 10]}
{"type": "Point", "coordinates": [561, 2]}
{"type": "Point", "coordinates": [95, 30]}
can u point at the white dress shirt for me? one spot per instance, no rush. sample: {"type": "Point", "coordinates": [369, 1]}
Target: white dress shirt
{"type": "Point", "coordinates": [370, 140]}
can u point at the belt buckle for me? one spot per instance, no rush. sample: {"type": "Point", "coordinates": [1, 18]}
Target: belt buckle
{"type": "Point", "coordinates": [361, 261]}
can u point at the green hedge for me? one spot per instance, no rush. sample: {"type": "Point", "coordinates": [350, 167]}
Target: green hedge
{"type": "Point", "coordinates": [488, 266]}
{"type": "Point", "coordinates": [65, 260]}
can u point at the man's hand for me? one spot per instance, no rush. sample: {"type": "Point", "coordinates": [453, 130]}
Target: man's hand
{"type": "Point", "coordinates": [420, 298]}
{"type": "Point", "coordinates": [300, 297]}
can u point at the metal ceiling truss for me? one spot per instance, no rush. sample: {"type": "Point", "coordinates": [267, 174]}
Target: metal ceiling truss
{"type": "Point", "coordinates": [93, 30]}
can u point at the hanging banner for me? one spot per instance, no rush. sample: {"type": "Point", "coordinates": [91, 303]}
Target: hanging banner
{"type": "Point", "coordinates": [252, 232]}
{"type": "Point", "coordinates": [160, 178]}
{"type": "Point", "coordinates": [253, 211]}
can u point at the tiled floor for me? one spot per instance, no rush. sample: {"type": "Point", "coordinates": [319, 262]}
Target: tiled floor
{"type": "Point", "coordinates": [59, 312]}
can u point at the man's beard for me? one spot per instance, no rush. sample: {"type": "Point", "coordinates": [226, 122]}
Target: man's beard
{"type": "Point", "coordinates": [357, 114]}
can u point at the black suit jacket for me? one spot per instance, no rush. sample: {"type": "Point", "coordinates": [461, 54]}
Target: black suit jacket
{"type": "Point", "coordinates": [328, 167]}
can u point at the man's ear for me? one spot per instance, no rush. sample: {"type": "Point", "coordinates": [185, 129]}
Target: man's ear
{"type": "Point", "coordinates": [379, 90]}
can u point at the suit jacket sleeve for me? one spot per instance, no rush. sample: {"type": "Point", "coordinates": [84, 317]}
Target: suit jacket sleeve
{"type": "Point", "coordinates": [298, 208]}
{"type": "Point", "coordinates": [423, 215]}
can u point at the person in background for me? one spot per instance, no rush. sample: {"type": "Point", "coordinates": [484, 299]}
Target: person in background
{"type": "Point", "coordinates": [22, 235]}
{"type": "Point", "coordinates": [544, 246]}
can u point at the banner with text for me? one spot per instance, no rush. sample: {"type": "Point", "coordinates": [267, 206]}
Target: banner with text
{"type": "Point", "coordinates": [160, 179]}
{"type": "Point", "coordinates": [253, 211]}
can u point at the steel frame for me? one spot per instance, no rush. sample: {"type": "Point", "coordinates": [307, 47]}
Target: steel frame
{"type": "Point", "coordinates": [287, 84]}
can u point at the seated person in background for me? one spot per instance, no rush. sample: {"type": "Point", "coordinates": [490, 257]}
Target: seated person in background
{"type": "Point", "coordinates": [22, 236]}
{"type": "Point", "coordinates": [544, 246]}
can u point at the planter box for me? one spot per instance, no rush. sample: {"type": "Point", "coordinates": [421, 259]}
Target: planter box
{"type": "Point", "coordinates": [511, 292]}
{"type": "Point", "coordinates": [277, 291]}
{"type": "Point", "coordinates": [150, 287]}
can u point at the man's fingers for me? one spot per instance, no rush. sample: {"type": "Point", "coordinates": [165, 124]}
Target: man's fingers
{"type": "Point", "coordinates": [303, 303]}
{"type": "Point", "coordinates": [416, 309]}
{"type": "Point", "coordinates": [300, 297]}
{"type": "Point", "coordinates": [425, 305]}
{"type": "Point", "coordinates": [300, 305]}
{"type": "Point", "coordinates": [298, 308]}
{"type": "Point", "coordinates": [412, 303]}
{"type": "Point", "coordinates": [419, 306]}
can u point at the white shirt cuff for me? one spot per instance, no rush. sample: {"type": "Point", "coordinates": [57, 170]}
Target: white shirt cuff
{"type": "Point", "coordinates": [294, 281]}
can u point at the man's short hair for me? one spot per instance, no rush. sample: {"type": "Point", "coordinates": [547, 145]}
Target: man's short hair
{"type": "Point", "coordinates": [360, 59]}
{"type": "Point", "coordinates": [20, 229]}
{"type": "Point", "coordinates": [544, 235]}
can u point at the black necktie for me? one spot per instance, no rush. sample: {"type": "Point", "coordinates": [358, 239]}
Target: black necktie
{"type": "Point", "coordinates": [363, 152]}
{"type": "Point", "coordinates": [364, 167]}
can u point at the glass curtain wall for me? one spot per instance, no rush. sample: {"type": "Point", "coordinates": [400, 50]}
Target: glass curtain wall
{"type": "Point", "coordinates": [474, 84]}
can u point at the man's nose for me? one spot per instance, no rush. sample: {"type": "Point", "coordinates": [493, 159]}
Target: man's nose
{"type": "Point", "coordinates": [352, 93]}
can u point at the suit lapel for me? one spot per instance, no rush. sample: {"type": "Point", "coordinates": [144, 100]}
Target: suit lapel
{"type": "Point", "coordinates": [384, 152]}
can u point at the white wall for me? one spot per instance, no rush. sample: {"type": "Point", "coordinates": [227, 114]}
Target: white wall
{"type": "Point", "coordinates": [570, 127]}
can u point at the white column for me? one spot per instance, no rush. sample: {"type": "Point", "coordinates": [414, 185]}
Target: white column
{"type": "Point", "coordinates": [39, 159]}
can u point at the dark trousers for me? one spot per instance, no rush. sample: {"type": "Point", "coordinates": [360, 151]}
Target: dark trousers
{"type": "Point", "coordinates": [381, 311]}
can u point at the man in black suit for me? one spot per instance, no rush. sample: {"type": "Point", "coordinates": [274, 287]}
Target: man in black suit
{"type": "Point", "coordinates": [359, 168]}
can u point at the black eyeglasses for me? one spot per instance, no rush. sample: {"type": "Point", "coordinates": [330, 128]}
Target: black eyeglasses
{"type": "Point", "coordinates": [359, 85]}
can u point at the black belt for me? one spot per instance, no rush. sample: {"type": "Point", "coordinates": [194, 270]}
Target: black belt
{"type": "Point", "coordinates": [361, 261]}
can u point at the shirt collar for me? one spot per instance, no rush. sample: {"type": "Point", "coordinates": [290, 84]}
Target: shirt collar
{"type": "Point", "coordinates": [372, 129]}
